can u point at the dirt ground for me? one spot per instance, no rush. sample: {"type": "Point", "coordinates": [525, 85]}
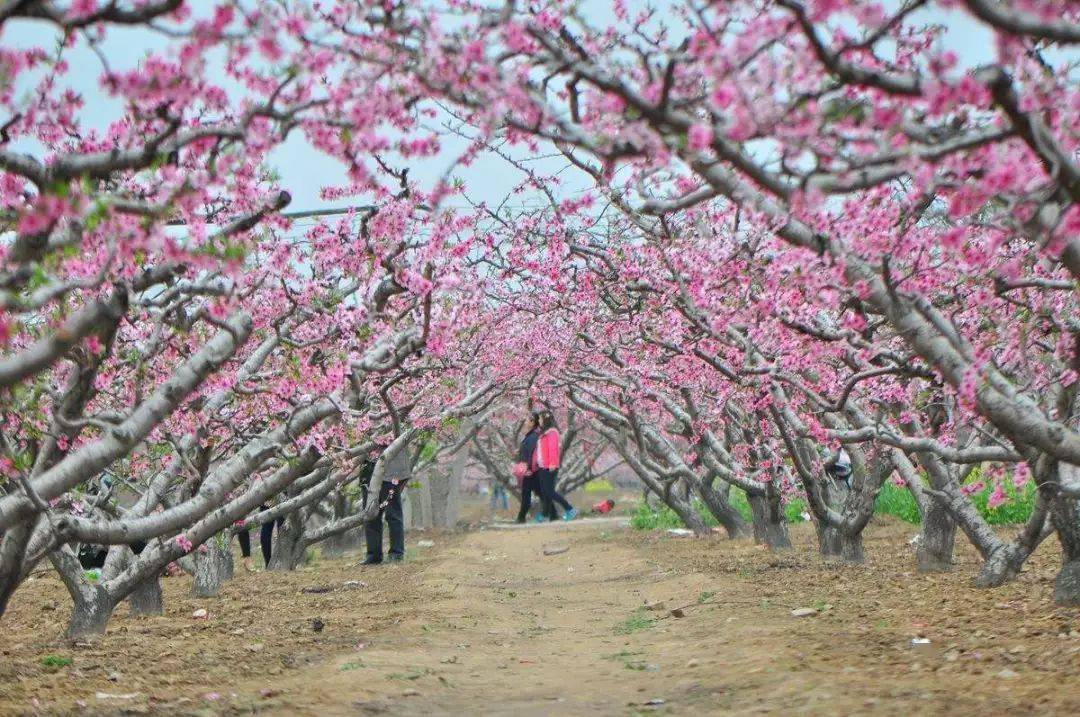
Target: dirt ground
{"type": "Point", "coordinates": [486, 623]}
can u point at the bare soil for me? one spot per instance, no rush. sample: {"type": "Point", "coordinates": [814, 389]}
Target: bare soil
{"type": "Point", "coordinates": [486, 623]}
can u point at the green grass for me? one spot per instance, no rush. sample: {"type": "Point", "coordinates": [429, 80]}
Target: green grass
{"type": "Point", "coordinates": [630, 660]}
{"type": "Point", "coordinates": [621, 655]}
{"type": "Point", "coordinates": [663, 517]}
{"type": "Point", "coordinates": [1017, 509]}
{"type": "Point", "coordinates": [892, 500]}
{"type": "Point", "coordinates": [635, 623]}
{"type": "Point", "coordinates": [56, 661]}
{"type": "Point", "coordinates": [600, 485]}
{"type": "Point", "coordinates": [897, 501]}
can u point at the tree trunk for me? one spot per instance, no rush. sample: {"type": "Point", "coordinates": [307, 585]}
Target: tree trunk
{"type": "Point", "coordinates": [146, 598]}
{"type": "Point", "coordinates": [1001, 566]}
{"type": "Point", "coordinates": [353, 539]}
{"type": "Point", "coordinates": [828, 541]}
{"type": "Point", "coordinates": [209, 571]}
{"type": "Point", "coordinates": [288, 551]}
{"type": "Point", "coordinates": [228, 562]}
{"type": "Point", "coordinates": [718, 503]}
{"type": "Point", "coordinates": [1003, 561]}
{"type": "Point", "coordinates": [936, 539]}
{"type": "Point", "coordinates": [689, 516]}
{"type": "Point", "coordinates": [12, 552]}
{"type": "Point", "coordinates": [838, 546]}
{"type": "Point", "coordinates": [851, 548]}
{"type": "Point", "coordinates": [770, 524]}
{"type": "Point", "coordinates": [337, 545]}
{"type": "Point", "coordinates": [418, 493]}
{"type": "Point", "coordinates": [187, 563]}
{"type": "Point", "coordinates": [445, 508]}
{"type": "Point", "coordinates": [446, 493]}
{"type": "Point", "coordinates": [90, 613]}
{"type": "Point", "coordinates": [1065, 515]}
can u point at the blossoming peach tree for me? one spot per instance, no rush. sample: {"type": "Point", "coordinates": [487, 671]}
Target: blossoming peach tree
{"type": "Point", "coordinates": [175, 351]}
{"type": "Point", "coordinates": [806, 225]}
{"type": "Point", "coordinates": [870, 241]}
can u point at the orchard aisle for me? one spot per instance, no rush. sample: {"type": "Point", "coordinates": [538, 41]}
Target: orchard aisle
{"type": "Point", "coordinates": [506, 630]}
{"type": "Point", "coordinates": [510, 630]}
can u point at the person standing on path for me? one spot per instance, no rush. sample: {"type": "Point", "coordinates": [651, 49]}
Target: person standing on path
{"type": "Point", "coordinates": [499, 498]}
{"type": "Point", "coordinates": [266, 540]}
{"type": "Point", "coordinates": [397, 472]}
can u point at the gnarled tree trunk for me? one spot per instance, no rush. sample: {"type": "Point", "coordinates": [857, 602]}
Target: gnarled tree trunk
{"type": "Point", "coordinates": [936, 539]}
{"type": "Point", "coordinates": [717, 500]}
{"type": "Point", "coordinates": [91, 609]}
{"type": "Point", "coordinates": [769, 521]}
{"type": "Point", "coordinates": [1065, 516]}
{"type": "Point", "coordinates": [288, 551]}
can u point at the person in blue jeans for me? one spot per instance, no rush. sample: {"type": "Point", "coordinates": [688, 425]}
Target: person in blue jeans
{"type": "Point", "coordinates": [499, 497]}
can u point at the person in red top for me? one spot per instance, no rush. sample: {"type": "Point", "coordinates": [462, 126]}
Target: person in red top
{"type": "Point", "coordinates": [546, 459]}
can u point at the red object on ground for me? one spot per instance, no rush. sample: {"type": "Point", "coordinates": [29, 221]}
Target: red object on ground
{"type": "Point", "coordinates": [604, 506]}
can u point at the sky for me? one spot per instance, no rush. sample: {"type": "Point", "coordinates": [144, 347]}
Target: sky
{"type": "Point", "coordinates": [304, 172]}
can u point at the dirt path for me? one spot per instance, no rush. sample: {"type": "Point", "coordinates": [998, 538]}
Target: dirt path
{"type": "Point", "coordinates": [508, 630]}
{"type": "Point", "coordinates": [485, 623]}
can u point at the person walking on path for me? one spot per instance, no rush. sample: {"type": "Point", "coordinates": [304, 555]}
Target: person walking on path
{"type": "Point", "coordinates": [547, 458]}
{"type": "Point", "coordinates": [397, 472]}
{"type": "Point", "coordinates": [531, 482]}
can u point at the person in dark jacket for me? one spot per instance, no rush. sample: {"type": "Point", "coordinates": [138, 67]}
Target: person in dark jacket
{"type": "Point", "coordinates": [397, 472]}
{"type": "Point", "coordinates": [533, 481]}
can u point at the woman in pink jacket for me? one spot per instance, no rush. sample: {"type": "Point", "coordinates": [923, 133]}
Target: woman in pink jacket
{"type": "Point", "coordinates": [545, 461]}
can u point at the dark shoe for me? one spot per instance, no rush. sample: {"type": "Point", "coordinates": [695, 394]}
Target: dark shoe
{"type": "Point", "coordinates": [371, 560]}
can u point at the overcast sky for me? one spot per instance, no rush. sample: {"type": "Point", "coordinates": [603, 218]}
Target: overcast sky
{"type": "Point", "coordinates": [304, 172]}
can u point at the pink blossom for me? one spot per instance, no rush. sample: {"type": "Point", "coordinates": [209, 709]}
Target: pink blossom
{"type": "Point", "coordinates": [997, 496]}
{"type": "Point", "coordinates": [972, 488]}
{"type": "Point", "coordinates": [723, 96]}
{"type": "Point", "coordinates": [1021, 474]}
{"type": "Point", "coordinates": [699, 137]}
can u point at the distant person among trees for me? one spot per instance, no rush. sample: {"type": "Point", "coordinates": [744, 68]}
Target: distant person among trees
{"type": "Point", "coordinates": [499, 499]}
{"type": "Point", "coordinates": [397, 473]}
{"type": "Point", "coordinates": [266, 539]}
{"type": "Point", "coordinates": [838, 466]}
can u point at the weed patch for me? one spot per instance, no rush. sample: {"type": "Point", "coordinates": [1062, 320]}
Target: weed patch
{"type": "Point", "coordinates": [635, 623]}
